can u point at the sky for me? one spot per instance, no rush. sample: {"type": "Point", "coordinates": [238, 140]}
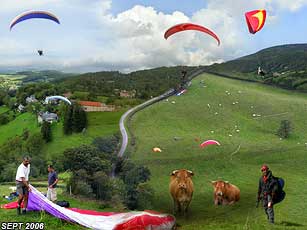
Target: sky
{"type": "Point", "coordinates": [127, 35]}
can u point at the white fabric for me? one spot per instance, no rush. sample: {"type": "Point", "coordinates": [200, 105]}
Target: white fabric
{"type": "Point", "coordinates": [23, 171]}
{"type": "Point", "coordinates": [98, 222]}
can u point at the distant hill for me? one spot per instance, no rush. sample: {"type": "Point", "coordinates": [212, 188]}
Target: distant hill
{"type": "Point", "coordinates": [43, 76]}
{"type": "Point", "coordinates": [285, 66]}
{"type": "Point", "coordinates": [146, 83]}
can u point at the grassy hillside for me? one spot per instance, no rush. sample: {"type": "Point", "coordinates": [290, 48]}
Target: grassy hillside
{"type": "Point", "coordinates": [16, 127]}
{"type": "Point", "coordinates": [285, 66]}
{"type": "Point", "coordinates": [100, 124]}
{"type": "Point", "coordinates": [239, 157]}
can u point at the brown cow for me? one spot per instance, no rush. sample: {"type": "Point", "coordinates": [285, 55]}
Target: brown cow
{"type": "Point", "coordinates": [181, 188]}
{"type": "Point", "coordinates": [225, 193]}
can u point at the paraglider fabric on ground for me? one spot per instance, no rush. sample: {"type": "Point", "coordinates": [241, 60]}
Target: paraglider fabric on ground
{"type": "Point", "coordinates": [100, 220]}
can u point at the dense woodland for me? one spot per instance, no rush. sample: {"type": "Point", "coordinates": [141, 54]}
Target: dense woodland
{"type": "Point", "coordinates": [147, 83]}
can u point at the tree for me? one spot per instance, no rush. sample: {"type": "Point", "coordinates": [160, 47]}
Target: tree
{"type": "Point", "coordinates": [34, 144]}
{"type": "Point", "coordinates": [68, 122]}
{"type": "Point", "coordinates": [284, 129]}
{"type": "Point", "coordinates": [46, 131]}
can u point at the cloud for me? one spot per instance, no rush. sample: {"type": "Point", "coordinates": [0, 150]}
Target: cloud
{"type": "Point", "coordinates": [133, 39]}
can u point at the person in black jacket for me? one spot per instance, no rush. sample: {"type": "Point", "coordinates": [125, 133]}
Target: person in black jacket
{"type": "Point", "coordinates": [267, 191]}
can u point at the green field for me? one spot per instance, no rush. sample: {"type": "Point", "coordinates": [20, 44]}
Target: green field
{"type": "Point", "coordinates": [100, 124]}
{"type": "Point", "coordinates": [3, 109]}
{"type": "Point", "coordinates": [190, 117]}
{"type": "Point", "coordinates": [16, 127]}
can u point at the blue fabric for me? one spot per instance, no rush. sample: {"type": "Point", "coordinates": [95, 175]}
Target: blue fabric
{"type": "Point", "coordinates": [52, 176]}
{"type": "Point", "coordinates": [30, 15]}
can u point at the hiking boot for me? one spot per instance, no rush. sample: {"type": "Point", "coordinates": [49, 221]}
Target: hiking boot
{"type": "Point", "coordinates": [271, 221]}
{"type": "Point", "coordinates": [18, 210]}
{"type": "Point", "coordinates": [24, 212]}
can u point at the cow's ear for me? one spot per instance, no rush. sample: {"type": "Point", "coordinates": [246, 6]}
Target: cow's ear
{"type": "Point", "coordinates": [174, 173]}
{"type": "Point", "coordinates": [191, 173]}
{"type": "Point", "coordinates": [213, 183]}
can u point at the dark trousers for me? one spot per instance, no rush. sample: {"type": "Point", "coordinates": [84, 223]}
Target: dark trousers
{"type": "Point", "coordinates": [268, 211]}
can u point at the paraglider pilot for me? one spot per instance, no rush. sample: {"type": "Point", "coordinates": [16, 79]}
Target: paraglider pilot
{"type": "Point", "coordinates": [266, 191]}
{"type": "Point", "coordinates": [40, 52]}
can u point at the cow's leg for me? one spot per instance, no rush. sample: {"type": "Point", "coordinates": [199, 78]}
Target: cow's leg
{"type": "Point", "coordinates": [175, 207]}
{"type": "Point", "coordinates": [186, 208]}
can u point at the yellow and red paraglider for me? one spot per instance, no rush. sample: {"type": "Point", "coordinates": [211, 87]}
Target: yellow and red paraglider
{"type": "Point", "coordinates": [255, 20]}
{"type": "Point", "coordinates": [157, 150]}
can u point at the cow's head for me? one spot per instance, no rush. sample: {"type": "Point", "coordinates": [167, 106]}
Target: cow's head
{"type": "Point", "coordinates": [219, 190]}
{"type": "Point", "coordinates": [182, 176]}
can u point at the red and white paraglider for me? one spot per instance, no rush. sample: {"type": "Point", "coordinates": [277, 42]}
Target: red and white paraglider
{"type": "Point", "coordinates": [209, 142]}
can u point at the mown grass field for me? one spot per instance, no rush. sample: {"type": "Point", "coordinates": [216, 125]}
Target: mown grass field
{"type": "Point", "coordinates": [16, 127]}
{"type": "Point", "coordinates": [99, 124]}
{"type": "Point", "coordinates": [209, 113]}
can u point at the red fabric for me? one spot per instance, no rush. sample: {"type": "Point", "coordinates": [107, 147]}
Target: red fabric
{"type": "Point", "coordinates": [138, 223]}
{"type": "Point", "coordinates": [190, 26]}
{"type": "Point", "coordinates": [265, 179]}
{"type": "Point", "coordinates": [255, 20]}
{"type": "Point", "coordinates": [12, 205]}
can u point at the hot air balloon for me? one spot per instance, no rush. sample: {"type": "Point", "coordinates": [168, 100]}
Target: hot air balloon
{"type": "Point", "coordinates": [190, 26]}
{"type": "Point", "coordinates": [209, 142]}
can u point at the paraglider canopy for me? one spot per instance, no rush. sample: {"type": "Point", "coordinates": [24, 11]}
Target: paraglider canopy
{"type": "Point", "coordinates": [209, 142]}
{"type": "Point", "coordinates": [156, 149]}
{"type": "Point", "coordinates": [57, 98]}
{"type": "Point", "coordinates": [190, 26]}
{"type": "Point", "coordinates": [33, 14]}
{"type": "Point", "coordinates": [255, 20]}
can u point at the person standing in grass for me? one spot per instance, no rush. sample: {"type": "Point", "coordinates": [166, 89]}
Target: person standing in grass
{"type": "Point", "coordinates": [267, 191]}
{"type": "Point", "coordinates": [52, 184]}
{"type": "Point", "coordinates": [22, 184]}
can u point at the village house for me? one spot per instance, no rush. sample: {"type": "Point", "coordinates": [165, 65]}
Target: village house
{"type": "Point", "coordinates": [31, 99]}
{"type": "Point", "coordinates": [93, 106]}
{"type": "Point", "coordinates": [127, 94]}
{"type": "Point", "coordinates": [46, 116]}
{"type": "Point", "coordinates": [21, 108]}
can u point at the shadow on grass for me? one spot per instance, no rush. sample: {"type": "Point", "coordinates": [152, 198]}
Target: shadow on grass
{"type": "Point", "coordinates": [290, 224]}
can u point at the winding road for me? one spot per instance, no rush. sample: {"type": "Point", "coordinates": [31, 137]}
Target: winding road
{"type": "Point", "coordinates": [132, 111]}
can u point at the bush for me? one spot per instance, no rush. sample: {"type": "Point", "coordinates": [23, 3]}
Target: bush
{"type": "Point", "coordinates": [284, 129]}
{"type": "Point", "coordinates": [4, 119]}
{"type": "Point", "coordinates": [145, 196]}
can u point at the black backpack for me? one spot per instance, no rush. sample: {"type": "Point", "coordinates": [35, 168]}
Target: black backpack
{"type": "Point", "coordinates": [63, 203]}
{"type": "Point", "coordinates": [280, 193]}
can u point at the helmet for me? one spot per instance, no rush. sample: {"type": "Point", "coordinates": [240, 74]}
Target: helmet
{"type": "Point", "coordinates": [264, 168]}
